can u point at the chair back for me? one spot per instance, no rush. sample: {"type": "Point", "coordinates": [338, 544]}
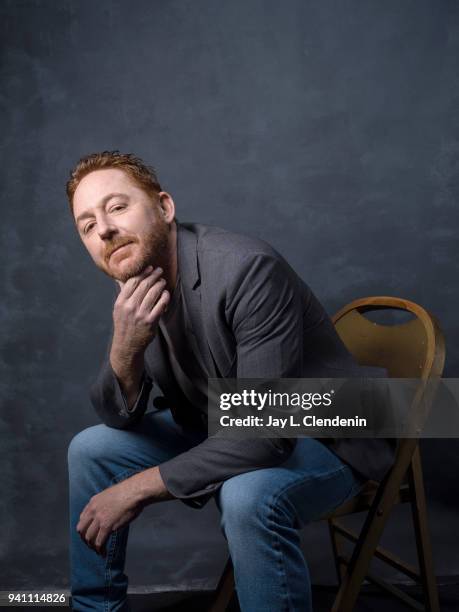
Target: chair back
{"type": "Point", "coordinates": [413, 349]}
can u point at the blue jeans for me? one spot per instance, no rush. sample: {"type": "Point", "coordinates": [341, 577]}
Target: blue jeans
{"type": "Point", "coordinates": [261, 513]}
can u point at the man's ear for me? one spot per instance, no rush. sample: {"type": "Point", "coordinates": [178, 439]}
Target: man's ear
{"type": "Point", "coordinates": [167, 206]}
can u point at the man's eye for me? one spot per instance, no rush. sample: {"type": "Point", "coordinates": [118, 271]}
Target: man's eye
{"type": "Point", "coordinates": [88, 227]}
{"type": "Point", "coordinates": [117, 207]}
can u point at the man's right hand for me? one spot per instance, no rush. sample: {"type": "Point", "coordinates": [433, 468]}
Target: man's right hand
{"type": "Point", "coordinates": [136, 313]}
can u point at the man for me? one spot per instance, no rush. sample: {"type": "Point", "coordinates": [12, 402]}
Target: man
{"type": "Point", "coordinates": [196, 302]}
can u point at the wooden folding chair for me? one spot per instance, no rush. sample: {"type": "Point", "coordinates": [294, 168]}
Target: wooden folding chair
{"type": "Point", "coordinates": [414, 349]}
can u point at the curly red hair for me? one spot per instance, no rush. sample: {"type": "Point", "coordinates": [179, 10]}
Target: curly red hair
{"type": "Point", "coordinates": [145, 176]}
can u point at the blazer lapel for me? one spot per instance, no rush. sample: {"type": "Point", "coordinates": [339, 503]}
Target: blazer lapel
{"type": "Point", "coordinates": [208, 331]}
{"type": "Point", "coordinates": [205, 327]}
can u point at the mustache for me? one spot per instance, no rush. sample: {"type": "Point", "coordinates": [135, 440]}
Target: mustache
{"type": "Point", "coordinates": [116, 244]}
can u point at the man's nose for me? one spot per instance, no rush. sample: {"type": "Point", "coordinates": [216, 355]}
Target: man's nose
{"type": "Point", "coordinates": [105, 229]}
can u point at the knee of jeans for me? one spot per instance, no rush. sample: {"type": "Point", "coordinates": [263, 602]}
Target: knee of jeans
{"type": "Point", "coordinates": [92, 444]}
{"type": "Point", "coordinates": [243, 503]}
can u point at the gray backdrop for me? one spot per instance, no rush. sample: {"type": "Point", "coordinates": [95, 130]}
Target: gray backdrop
{"type": "Point", "coordinates": [330, 129]}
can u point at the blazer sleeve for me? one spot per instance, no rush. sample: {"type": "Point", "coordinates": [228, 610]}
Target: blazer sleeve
{"type": "Point", "coordinates": [109, 402]}
{"type": "Point", "coordinates": [108, 399]}
{"type": "Point", "coordinates": [264, 310]}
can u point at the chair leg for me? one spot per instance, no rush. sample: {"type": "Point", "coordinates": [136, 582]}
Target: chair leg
{"type": "Point", "coordinates": [337, 548]}
{"type": "Point", "coordinates": [368, 541]}
{"type": "Point", "coordinates": [351, 578]}
{"type": "Point", "coordinates": [225, 589]}
{"type": "Point", "coordinates": [419, 513]}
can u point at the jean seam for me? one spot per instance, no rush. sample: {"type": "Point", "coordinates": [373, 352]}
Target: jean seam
{"type": "Point", "coordinates": [114, 537]}
{"type": "Point", "coordinates": [271, 518]}
{"type": "Point", "coordinates": [277, 549]}
{"type": "Point", "coordinates": [108, 571]}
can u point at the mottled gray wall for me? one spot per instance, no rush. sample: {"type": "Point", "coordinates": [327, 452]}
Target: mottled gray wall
{"type": "Point", "coordinates": [328, 128]}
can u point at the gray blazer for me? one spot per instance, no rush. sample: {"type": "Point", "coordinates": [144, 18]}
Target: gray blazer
{"type": "Point", "coordinates": [258, 319]}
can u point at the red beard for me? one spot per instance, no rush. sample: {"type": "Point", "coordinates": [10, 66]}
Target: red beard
{"type": "Point", "coordinates": [150, 249]}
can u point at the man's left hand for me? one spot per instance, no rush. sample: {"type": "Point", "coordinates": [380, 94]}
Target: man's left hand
{"type": "Point", "coordinates": [119, 505]}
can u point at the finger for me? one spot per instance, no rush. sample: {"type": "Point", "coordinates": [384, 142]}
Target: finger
{"type": "Point", "coordinates": [84, 522]}
{"type": "Point", "coordinates": [84, 533]}
{"type": "Point", "coordinates": [144, 286]}
{"type": "Point", "coordinates": [101, 540]}
{"type": "Point", "coordinates": [159, 307]}
{"type": "Point", "coordinates": [91, 535]}
{"type": "Point", "coordinates": [152, 296]}
{"type": "Point", "coordinates": [140, 285]}
{"type": "Point", "coordinates": [131, 284]}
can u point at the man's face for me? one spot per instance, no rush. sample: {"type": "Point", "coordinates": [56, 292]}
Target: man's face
{"type": "Point", "coordinates": [121, 225]}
